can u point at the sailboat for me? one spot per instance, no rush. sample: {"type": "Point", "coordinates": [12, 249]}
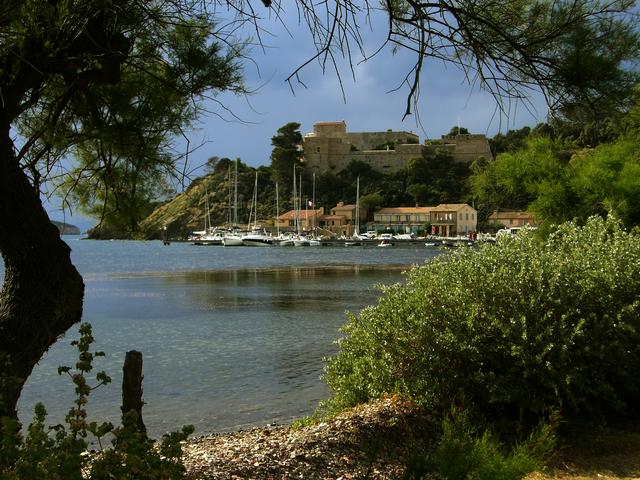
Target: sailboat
{"type": "Point", "coordinates": [258, 237]}
{"type": "Point", "coordinates": [314, 241]}
{"type": "Point", "coordinates": [233, 238]}
{"type": "Point", "coordinates": [300, 240]}
{"type": "Point", "coordinates": [210, 235]}
{"type": "Point", "coordinates": [355, 238]}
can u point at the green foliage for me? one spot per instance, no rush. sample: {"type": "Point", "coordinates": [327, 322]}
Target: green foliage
{"type": "Point", "coordinates": [508, 330]}
{"type": "Point", "coordinates": [515, 179]}
{"type": "Point", "coordinates": [511, 141]}
{"type": "Point", "coordinates": [388, 145]}
{"type": "Point", "coordinates": [457, 130]}
{"type": "Point", "coordinates": [607, 180]}
{"type": "Point", "coordinates": [371, 202]}
{"type": "Point", "coordinates": [596, 70]}
{"type": "Point", "coordinates": [304, 422]}
{"type": "Point", "coordinates": [557, 181]}
{"type": "Point", "coordinates": [285, 156]}
{"type": "Point", "coordinates": [60, 452]}
{"type": "Point", "coordinates": [463, 453]}
{"type": "Point", "coordinates": [434, 179]}
{"type": "Point", "coordinates": [122, 129]}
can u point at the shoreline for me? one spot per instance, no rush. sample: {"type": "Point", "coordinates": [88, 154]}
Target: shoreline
{"type": "Point", "coordinates": [376, 439]}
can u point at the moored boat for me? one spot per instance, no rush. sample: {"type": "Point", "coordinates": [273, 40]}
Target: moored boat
{"type": "Point", "coordinates": [257, 238]}
{"type": "Point", "coordinates": [232, 239]}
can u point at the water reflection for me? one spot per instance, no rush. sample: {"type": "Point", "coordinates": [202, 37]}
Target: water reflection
{"type": "Point", "coordinates": [297, 288]}
{"type": "Point", "coordinates": [222, 348]}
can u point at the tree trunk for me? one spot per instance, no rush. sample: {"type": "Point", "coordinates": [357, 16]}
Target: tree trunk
{"type": "Point", "coordinates": [42, 293]}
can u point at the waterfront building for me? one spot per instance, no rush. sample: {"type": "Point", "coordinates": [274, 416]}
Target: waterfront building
{"type": "Point", "coordinates": [446, 220]}
{"type": "Point", "coordinates": [451, 219]}
{"type": "Point", "coordinates": [512, 218]}
{"type": "Point", "coordinates": [402, 220]}
{"type": "Point", "coordinates": [307, 218]}
{"type": "Point", "coordinates": [341, 221]}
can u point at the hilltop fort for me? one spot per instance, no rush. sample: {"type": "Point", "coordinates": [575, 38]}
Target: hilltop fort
{"type": "Point", "coordinates": [331, 148]}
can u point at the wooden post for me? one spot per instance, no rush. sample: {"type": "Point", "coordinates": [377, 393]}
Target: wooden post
{"type": "Point", "coordinates": [132, 386]}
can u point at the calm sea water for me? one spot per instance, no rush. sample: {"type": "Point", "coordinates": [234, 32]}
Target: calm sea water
{"type": "Point", "coordinates": [231, 337]}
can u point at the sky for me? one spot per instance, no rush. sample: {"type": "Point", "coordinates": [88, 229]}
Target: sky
{"type": "Point", "coordinates": [244, 127]}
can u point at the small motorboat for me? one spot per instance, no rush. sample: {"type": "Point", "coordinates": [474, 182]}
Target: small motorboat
{"type": "Point", "coordinates": [386, 243]}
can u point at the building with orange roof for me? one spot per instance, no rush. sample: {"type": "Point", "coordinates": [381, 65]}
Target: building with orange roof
{"type": "Point", "coordinates": [308, 219]}
{"type": "Point", "coordinates": [340, 221]}
{"type": "Point", "coordinates": [451, 219]}
{"type": "Point", "coordinates": [512, 218]}
{"type": "Point", "coordinates": [446, 220]}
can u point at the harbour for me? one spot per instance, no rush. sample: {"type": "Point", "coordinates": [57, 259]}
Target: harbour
{"type": "Point", "coordinates": [230, 340]}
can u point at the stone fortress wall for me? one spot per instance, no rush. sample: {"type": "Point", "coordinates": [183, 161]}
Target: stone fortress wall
{"type": "Point", "coordinates": [330, 147]}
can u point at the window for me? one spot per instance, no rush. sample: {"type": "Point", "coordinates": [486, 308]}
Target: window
{"type": "Point", "coordinates": [407, 218]}
{"type": "Point", "coordinates": [467, 214]}
{"type": "Point", "coordinates": [317, 149]}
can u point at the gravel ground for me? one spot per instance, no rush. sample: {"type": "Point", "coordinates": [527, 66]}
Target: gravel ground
{"type": "Point", "coordinates": [369, 441]}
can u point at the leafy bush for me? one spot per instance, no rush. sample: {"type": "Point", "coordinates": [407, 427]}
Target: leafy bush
{"type": "Point", "coordinates": [61, 452]}
{"type": "Point", "coordinates": [463, 453]}
{"type": "Point", "coordinates": [508, 330]}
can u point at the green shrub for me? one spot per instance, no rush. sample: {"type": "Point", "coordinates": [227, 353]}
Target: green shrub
{"type": "Point", "coordinates": [507, 330]}
{"type": "Point", "coordinates": [60, 452]}
{"type": "Point", "coordinates": [465, 453]}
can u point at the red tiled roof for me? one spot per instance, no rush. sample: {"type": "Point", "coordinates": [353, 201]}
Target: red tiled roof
{"type": "Point", "coordinates": [403, 210]}
{"type": "Point", "coordinates": [304, 214]}
{"type": "Point", "coordinates": [512, 214]}
{"type": "Point", "coordinates": [452, 206]}
{"type": "Point", "coordinates": [344, 207]}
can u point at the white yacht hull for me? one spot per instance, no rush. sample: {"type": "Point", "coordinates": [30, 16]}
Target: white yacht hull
{"type": "Point", "coordinates": [232, 241]}
{"type": "Point", "coordinates": [257, 241]}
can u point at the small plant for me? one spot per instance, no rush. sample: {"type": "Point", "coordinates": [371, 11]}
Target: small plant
{"type": "Point", "coordinates": [60, 452]}
{"type": "Point", "coordinates": [305, 422]}
{"type": "Point", "coordinates": [463, 453]}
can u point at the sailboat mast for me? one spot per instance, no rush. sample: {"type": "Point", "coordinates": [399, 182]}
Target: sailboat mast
{"type": "Point", "coordinates": [255, 203]}
{"type": "Point", "coordinates": [235, 197]}
{"type": "Point", "coordinates": [207, 217]}
{"type": "Point", "coordinates": [295, 203]}
{"type": "Point", "coordinates": [357, 232]}
{"type": "Point", "coordinates": [277, 210]}
{"type": "Point", "coordinates": [229, 207]}
{"type": "Point", "coordinates": [313, 204]}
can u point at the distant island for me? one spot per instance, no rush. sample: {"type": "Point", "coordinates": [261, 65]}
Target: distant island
{"type": "Point", "coordinates": [66, 229]}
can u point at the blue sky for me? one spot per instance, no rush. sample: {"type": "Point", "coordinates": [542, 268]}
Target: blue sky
{"type": "Point", "coordinates": [370, 105]}
{"type": "Point", "coordinates": [445, 100]}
